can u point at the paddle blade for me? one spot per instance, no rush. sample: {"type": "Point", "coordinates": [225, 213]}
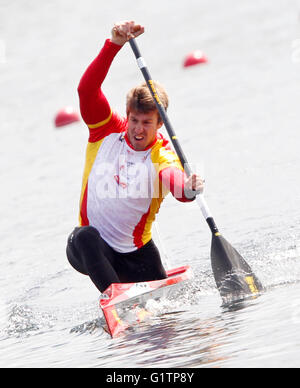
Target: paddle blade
{"type": "Point", "coordinates": [233, 276]}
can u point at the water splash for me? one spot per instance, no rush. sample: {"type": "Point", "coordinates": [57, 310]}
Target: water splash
{"type": "Point", "coordinates": [24, 321]}
{"type": "Point", "coordinates": [89, 327]}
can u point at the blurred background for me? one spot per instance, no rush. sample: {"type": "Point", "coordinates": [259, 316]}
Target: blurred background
{"type": "Point", "coordinates": [237, 117]}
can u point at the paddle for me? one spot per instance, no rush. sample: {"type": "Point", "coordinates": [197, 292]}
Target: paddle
{"type": "Point", "coordinates": [234, 277]}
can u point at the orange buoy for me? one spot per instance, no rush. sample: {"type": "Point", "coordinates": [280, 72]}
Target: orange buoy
{"type": "Point", "coordinates": [194, 58]}
{"type": "Point", "coordinates": [66, 116]}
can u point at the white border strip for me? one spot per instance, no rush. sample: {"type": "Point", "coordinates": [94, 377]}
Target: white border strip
{"type": "Point", "coordinates": [141, 62]}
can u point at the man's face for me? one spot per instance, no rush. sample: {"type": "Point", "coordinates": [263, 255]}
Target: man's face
{"type": "Point", "coordinates": [142, 128]}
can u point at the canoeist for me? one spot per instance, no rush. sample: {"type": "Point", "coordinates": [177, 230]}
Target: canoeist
{"type": "Point", "coordinates": [130, 168]}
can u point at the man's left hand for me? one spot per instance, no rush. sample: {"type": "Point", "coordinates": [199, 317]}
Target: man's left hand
{"type": "Point", "coordinates": [193, 185]}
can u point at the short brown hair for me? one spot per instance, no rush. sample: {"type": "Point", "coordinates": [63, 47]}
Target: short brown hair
{"type": "Point", "coordinates": [140, 99]}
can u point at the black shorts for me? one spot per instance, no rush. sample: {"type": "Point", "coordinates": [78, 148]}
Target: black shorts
{"type": "Point", "coordinates": [89, 254]}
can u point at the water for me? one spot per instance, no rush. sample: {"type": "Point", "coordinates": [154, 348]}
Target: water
{"type": "Point", "coordinates": [237, 118]}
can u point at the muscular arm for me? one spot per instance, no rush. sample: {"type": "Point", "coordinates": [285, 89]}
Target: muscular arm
{"type": "Point", "coordinates": [174, 179]}
{"type": "Point", "coordinates": [94, 107]}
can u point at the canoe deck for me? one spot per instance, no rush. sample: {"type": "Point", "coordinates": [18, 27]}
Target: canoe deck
{"type": "Point", "coordinates": [118, 298]}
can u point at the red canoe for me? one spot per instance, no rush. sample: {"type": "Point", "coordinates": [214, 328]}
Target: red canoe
{"type": "Point", "coordinates": [121, 296]}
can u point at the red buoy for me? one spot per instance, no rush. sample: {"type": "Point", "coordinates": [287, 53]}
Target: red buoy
{"type": "Point", "coordinates": [66, 116]}
{"type": "Point", "coordinates": [194, 58]}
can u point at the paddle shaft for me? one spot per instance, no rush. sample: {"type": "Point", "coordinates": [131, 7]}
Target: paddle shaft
{"type": "Point", "coordinates": [199, 198]}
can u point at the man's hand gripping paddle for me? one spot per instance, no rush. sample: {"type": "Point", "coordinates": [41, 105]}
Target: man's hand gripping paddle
{"type": "Point", "coordinates": [233, 276]}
